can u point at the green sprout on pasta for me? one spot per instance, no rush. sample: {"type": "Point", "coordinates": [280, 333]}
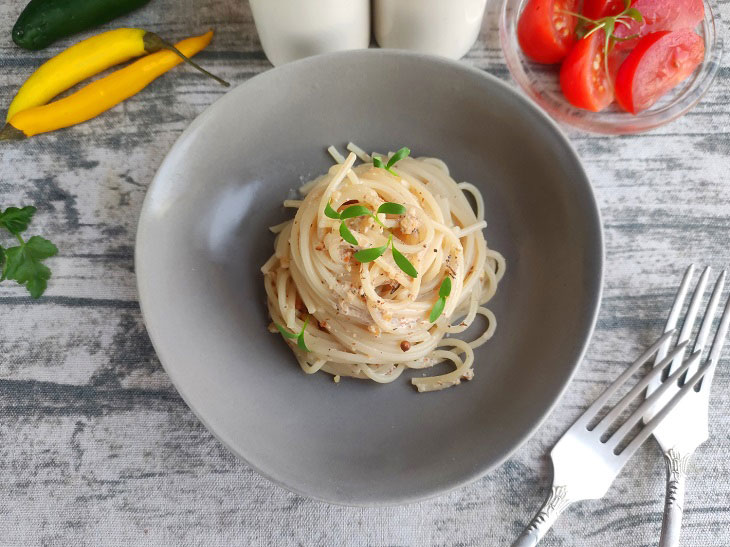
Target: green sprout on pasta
{"type": "Point", "coordinates": [368, 255]}
{"type": "Point", "coordinates": [438, 307]}
{"type": "Point", "coordinates": [298, 337]}
{"type": "Point", "coordinates": [399, 155]}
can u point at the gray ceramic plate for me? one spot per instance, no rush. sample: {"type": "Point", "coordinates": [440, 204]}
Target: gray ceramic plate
{"type": "Point", "coordinates": [203, 237]}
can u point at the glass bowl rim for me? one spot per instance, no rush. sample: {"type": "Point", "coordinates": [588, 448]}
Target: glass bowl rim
{"type": "Point", "coordinates": [615, 122]}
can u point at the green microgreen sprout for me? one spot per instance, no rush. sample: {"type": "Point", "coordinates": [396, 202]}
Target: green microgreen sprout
{"type": "Point", "coordinates": [608, 25]}
{"type": "Point", "coordinates": [399, 155]}
{"type": "Point", "coordinates": [23, 263]}
{"type": "Point", "coordinates": [298, 337]}
{"type": "Point", "coordinates": [438, 307]}
{"type": "Point", "coordinates": [345, 232]}
{"type": "Point", "coordinates": [368, 255]}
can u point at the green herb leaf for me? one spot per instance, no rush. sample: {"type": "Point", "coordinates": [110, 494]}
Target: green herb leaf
{"type": "Point", "coordinates": [330, 212]}
{"type": "Point", "coordinates": [355, 211]}
{"type": "Point", "coordinates": [16, 220]}
{"type": "Point", "coordinates": [300, 339]}
{"type": "Point", "coordinates": [445, 289]}
{"type": "Point", "coordinates": [399, 155]}
{"type": "Point", "coordinates": [346, 234]}
{"type": "Point", "coordinates": [444, 292]}
{"type": "Point", "coordinates": [23, 264]}
{"type": "Point", "coordinates": [438, 309]}
{"type": "Point", "coordinates": [403, 263]}
{"type": "Point", "coordinates": [368, 255]}
{"type": "Point", "coordinates": [285, 333]}
{"type": "Point", "coordinates": [40, 248]}
{"type": "Point", "coordinates": [2, 259]}
{"type": "Point", "coordinates": [634, 14]}
{"type": "Point", "coordinates": [392, 209]}
{"type": "Point", "coordinates": [301, 343]}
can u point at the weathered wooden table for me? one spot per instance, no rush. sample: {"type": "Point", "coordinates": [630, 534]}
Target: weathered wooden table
{"type": "Point", "coordinates": [96, 446]}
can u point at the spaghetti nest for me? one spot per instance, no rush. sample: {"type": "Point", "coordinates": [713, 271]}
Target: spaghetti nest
{"type": "Point", "coordinates": [372, 319]}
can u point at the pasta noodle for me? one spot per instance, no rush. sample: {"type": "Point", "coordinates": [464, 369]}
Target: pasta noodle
{"type": "Point", "coordinates": [371, 320]}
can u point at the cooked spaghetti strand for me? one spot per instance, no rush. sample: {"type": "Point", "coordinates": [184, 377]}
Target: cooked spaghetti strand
{"type": "Point", "coordinates": [371, 320]}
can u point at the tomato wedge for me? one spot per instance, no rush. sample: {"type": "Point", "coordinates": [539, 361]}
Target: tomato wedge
{"type": "Point", "coordinates": [660, 61]}
{"type": "Point", "coordinates": [545, 31]}
{"type": "Point", "coordinates": [661, 15]}
{"type": "Point", "coordinates": [597, 9]}
{"type": "Point", "coordinates": [583, 77]}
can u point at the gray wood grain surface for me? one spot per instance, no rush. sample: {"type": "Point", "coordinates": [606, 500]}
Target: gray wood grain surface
{"type": "Point", "coordinates": [97, 448]}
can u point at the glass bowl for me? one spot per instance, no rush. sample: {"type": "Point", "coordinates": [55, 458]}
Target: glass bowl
{"type": "Point", "coordinates": [541, 83]}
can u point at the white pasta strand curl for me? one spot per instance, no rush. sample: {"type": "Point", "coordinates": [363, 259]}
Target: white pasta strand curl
{"type": "Point", "coordinates": [371, 320]}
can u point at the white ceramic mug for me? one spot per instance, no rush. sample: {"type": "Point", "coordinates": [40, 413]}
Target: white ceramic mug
{"type": "Point", "coordinates": [292, 29]}
{"type": "Point", "coordinates": [440, 27]}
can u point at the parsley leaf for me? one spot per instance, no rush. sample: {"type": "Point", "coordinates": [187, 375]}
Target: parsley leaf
{"type": "Point", "coordinates": [23, 264]}
{"type": "Point", "coordinates": [16, 220]}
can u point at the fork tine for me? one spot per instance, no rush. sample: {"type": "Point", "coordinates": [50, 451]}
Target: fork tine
{"type": "Point", "coordinates": [709, 315]}
{"type": "Point", "coordinates": [674, 312]}
{"type": "Point", "coordinates": [652, 424]}
{"type": "Point", "coordinates": [689, 319]}
{"type": "Point", "coordinates": [717, 344]}
{"type": "Point", "coordinates": [610, 390]}
{"type": "Point", "coordinates": [640, 411]}
{"type": "Point", "coordinates": [625, 401]}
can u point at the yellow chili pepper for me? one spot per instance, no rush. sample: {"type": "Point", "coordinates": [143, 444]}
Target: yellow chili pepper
{"type": "Point", "coordinates": [100, 95]}
{"type": "Point", "coordinates": [82, 61]}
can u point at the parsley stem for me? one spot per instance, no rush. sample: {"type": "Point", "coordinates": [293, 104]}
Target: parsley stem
{"type": "Point", "coordinates": [20, 238]}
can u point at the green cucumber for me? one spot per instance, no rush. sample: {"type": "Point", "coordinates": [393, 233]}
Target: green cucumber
{"type": "Point", "coordinates": [45, 21]}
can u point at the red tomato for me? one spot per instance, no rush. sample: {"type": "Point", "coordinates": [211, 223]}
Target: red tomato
{"type": "Point", "coordinates": [596, 9]}
{"type": "Point", "coordinates": [659, 62]}
{"type": "Point", "coordinates": [545, 31]}
{"type": "Point", "coordinates": [661, 15]}
{"type": "Point", "coordinates": [583, 76]}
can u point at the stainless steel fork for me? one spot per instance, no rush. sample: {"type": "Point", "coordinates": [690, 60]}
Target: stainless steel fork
{"type": "Point", "coordinates": [584, 462]}
{"type": "Point", "coordinates": [686, 427]}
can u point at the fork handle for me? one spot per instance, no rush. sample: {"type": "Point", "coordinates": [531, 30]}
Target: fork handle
{"type": "Point", "coordinates": [677, 464]}
{"type": "Point", "coordinates": [557, 502]}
